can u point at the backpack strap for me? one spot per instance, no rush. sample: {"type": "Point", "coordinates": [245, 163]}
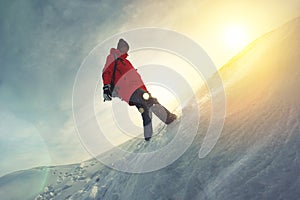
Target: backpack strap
{"type": "Point", "coordinates": [112, 82]}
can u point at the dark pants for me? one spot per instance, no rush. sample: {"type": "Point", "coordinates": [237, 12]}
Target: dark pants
{"type": "Point", "coordinates": [146, 107]}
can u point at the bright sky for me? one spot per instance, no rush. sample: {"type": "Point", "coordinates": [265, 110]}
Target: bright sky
{"type": "Point", "coordinates": [44, 43]}
{"type": "Point", "coordinates": [221, 27]}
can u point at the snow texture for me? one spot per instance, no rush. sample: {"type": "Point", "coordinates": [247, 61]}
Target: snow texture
{"type": "Point", "coordinates": [256, 157]}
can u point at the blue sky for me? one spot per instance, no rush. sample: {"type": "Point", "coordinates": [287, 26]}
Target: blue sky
{"type": "Point", "coordinates": [43, 44]}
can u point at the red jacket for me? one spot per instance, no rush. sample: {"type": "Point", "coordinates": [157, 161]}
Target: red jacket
{"type": "Point", "coordinates": [127, 79]}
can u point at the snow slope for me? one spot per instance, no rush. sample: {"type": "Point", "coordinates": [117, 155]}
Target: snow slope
{"type": "Point", "coordinates": [256, 157]}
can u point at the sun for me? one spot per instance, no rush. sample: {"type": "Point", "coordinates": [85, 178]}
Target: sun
{"type": "Point", "coordinates": [235, 37]}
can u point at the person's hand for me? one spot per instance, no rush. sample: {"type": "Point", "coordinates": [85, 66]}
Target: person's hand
{"type": "Point", "coordinates": [107, 93]}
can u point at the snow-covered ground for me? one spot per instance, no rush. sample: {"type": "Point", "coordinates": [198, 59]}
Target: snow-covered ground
{"type": "Point", "coordinates": [256, 157]}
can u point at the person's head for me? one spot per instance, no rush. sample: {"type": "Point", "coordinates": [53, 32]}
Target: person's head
{"type": "Point", "coordinates": [123, 46]}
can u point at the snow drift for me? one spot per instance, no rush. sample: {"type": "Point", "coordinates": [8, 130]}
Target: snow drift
{"type": "Point", "coordinates": [256, 157]}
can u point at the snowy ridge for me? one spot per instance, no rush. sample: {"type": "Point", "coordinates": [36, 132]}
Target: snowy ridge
{"type": "Point", "coordinates": [257, 156]}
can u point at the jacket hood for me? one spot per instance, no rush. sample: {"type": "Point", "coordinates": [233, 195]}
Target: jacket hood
{"type": "Point", "coordinates": [120, 54]}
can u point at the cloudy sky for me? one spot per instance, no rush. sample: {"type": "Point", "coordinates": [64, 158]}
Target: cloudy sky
{"type": "Point", "coordinates": [43, 44]}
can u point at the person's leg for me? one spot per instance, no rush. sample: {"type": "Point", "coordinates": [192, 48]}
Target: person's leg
{"type": "Point", "coordinates": [137, 100]}
{"type": "Point", "coordinates": [147, 121]}
{"type": "Point", "coordinates": [161, 112]}
{"type": "Point", "coordinates": [146, 107]}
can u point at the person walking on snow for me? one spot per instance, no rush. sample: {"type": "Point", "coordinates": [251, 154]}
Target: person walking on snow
{"type": "Point", "coordinates": [121, 79]}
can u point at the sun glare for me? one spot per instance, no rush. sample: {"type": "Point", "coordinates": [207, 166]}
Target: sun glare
{"type": "Point", "coordinates": [235, 37]}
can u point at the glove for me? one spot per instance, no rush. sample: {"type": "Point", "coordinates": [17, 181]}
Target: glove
{"type": "Point", "coordinates": [107, 93]}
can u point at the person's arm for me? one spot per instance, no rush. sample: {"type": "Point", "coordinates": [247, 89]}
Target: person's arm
{"type": "Point", "coordinates": [106, 77]}
{"type": "Point", "coordinates": [108, 70]}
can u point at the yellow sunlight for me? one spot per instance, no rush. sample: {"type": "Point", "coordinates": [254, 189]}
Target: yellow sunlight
{"type": "Point", "coordinates": [235, 37]}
